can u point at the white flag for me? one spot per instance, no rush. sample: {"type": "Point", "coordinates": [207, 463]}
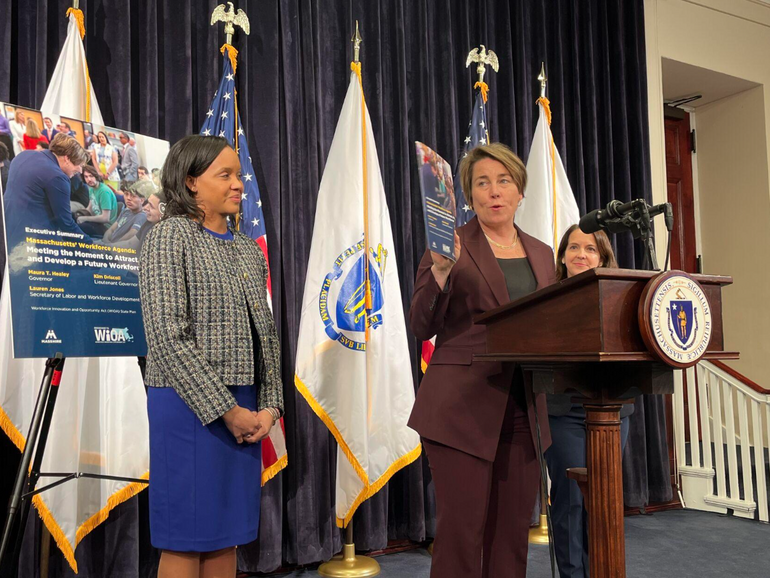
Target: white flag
{"type": "Point", "coordinates": [70, 92]}
{"type": "Point", "coordinates": [99, 423]}
{"type": "Point", "coordinates": [99, 426]}
{"type": "Point", "coordinates": [549, 207]}
{"type": "Point", "coordinates": [363, 390]}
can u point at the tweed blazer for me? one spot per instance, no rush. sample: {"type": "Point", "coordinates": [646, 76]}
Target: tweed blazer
{"type": "Point", "coordinates": [197, 292]}
{"type": "Point", "coordinates": [461, 402]}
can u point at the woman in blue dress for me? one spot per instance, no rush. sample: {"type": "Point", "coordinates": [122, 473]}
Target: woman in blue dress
{"type": "Point", "coordinates": [213, 366]}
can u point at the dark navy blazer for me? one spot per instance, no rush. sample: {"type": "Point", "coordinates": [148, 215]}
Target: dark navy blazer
{"type": "Point", "coordinates": [38, 189]}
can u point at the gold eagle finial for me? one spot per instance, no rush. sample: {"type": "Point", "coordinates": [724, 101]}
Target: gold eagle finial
{"type": "Point", "coordinates": [484, 57]}
{"type": "Point", "coordinates": [231, 18]}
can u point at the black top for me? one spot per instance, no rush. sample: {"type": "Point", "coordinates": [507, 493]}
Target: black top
{"type": "Point", "coordinates": [518, 277]}
{"type": "Point", "coordinates": [520, 281]}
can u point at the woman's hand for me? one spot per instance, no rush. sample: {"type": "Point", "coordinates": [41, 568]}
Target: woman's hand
{"type": "Point", "coordinates": [442, 266]}
{"type": "Point", "coordinates": [266, 424]}
{"type": "Point", "coordinates": [243, 424]}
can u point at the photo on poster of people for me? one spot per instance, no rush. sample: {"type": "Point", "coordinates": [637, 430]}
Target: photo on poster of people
{"type": "Point", "coordinates": [78, 201]}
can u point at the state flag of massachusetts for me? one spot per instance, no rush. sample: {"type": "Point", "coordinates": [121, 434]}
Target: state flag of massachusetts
{"type": "Point", "coordinates": [224, 120]}
{"type": "Point", "coordinates": [352, 353]}
{"type": "Point", "coordinates": [549, 207]}
{"type": "Point", "coordinates": [70, 91]}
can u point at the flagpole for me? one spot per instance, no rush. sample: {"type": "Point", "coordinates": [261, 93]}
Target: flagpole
{"type": "Point", "coordinates": [540, 534]}
{"type": "Point", "coordinates": [355, 66]}
{"type": "Point", "coordinates": [547, 107]}
{"type": "Point", "coordinates": [483, 57]}
{"type": "Point", "coordinates": [347, 564]}
{"type": "Point", "coordinates": [231, 18]}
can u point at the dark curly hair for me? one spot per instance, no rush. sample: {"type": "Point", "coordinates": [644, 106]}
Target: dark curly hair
{"type": "Point", "coordinates": [190, 156]}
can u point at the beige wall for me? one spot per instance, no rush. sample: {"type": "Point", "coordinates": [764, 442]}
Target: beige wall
{"type": "Point", "coordinates": [731, 37]}
{"type": "Point", "coordinates": [735, 220]}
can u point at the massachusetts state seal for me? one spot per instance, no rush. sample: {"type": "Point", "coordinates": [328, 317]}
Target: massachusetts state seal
{"type": "Point", "coordinates": [342, 302]}
{"type": "Point", "coordinates": [677, 315]}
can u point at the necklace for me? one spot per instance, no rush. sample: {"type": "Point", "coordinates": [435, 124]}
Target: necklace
{"type": "Point", "coordinates": [500, 246]}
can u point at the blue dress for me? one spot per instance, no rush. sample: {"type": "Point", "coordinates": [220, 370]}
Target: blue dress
{"type": "Point", "coordinates": [204, 487]}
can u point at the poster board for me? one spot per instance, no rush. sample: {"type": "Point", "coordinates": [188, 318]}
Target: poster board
{"type": "Point", "coordinates": [72, 291]}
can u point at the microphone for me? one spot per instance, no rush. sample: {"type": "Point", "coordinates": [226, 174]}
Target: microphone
{"type": "Point", "coordinates": [612, 217]}
{"type": "Point", "coordinates": [668, 214]}
{"type": "Point", "coordinates": [601, 218]}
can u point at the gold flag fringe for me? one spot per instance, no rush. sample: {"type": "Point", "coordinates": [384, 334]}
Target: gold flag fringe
{"type": "Point", "coordinates": [273, 470]}
{"type": "Point", "coordinates": [47, 517]}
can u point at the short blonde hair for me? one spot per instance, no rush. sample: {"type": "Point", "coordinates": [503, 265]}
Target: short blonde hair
{"type": "Point", "coordinates": [495, 151]}
{"type": "Point", "coordinates": [64, 145]}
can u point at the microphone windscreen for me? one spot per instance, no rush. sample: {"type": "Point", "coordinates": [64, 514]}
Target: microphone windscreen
{"type": "Point", "coordinates": [589, 223]}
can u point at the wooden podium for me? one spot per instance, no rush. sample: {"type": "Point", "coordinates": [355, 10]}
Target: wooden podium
{"type": "Point", "coordinates": [598, 336]}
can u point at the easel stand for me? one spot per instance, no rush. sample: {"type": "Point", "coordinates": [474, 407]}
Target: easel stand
{"type": "Point", "coordinates": [27, 477]}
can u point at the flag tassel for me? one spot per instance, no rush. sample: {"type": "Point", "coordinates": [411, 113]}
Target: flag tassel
{"type": "Point", "coordinates": [78, 14]}
{"type": "Point", "coordinates": [484, 90]}
{"type": "Point", "coordinates": [232, 54]}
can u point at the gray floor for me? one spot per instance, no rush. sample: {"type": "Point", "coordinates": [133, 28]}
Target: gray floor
{"type": "Point", "coordinates": [682, 544]}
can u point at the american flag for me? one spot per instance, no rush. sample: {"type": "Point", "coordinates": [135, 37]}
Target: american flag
{"type": "Point", "coordinates": [223, 119]}
{"type": "Point", "coordinates": [478, 134]}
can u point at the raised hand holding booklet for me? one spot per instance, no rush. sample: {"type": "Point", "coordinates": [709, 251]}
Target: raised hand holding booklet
{"type": "Point", "coordinates": [438, 200]}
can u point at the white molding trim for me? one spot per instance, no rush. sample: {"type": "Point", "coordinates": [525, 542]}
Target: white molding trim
{"type": "Point", "coordinates": [694, 472]}
{"type": "Point", "coordinates": [761, 18]}
{"type": "Point", "coordinates": [742, 506]}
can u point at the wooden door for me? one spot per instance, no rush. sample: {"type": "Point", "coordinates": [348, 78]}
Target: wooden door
{"type": "Point", "coordinates": [680, 193]}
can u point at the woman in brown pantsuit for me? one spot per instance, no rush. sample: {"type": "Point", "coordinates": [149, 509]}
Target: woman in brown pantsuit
{"type": "Point", "coordinates": [478, 418]}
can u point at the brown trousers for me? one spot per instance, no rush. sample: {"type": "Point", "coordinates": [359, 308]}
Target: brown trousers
{"type": "Point", "coordinates": [483, 509]}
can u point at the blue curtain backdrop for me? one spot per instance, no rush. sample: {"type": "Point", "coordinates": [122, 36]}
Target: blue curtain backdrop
{"type": "Point", "coordinates": [155, 65]}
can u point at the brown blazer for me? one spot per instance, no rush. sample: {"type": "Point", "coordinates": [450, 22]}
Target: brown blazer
{"type": "Point", "coordinates": [461, 403]}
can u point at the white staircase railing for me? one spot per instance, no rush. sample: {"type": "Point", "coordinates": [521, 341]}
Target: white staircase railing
{"type": "Point", "coordinates": [726, 429]}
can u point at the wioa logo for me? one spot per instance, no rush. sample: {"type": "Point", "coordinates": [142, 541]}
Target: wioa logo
{"type": "Point", "coordinates": [112, 335]}
{"type": "Point", "coordinates": [50, 337]}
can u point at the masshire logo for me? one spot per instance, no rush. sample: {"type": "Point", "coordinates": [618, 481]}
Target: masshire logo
{"type": "Point", "coordinates": [50, 337]}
